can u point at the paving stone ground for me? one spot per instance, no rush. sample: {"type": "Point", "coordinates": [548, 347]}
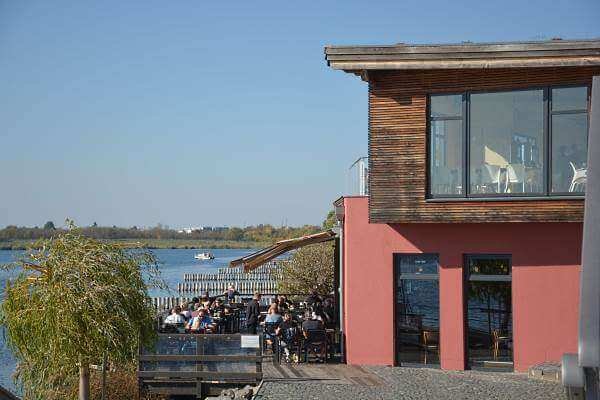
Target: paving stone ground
{"type": "Point", "coordinates": [420, 383]}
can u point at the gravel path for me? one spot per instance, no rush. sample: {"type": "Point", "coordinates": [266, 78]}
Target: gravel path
{"type": "Point", "coordinates": [421, 383]}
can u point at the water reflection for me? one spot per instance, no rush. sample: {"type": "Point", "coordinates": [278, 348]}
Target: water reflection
{"type": "Point", "coordinates": [417, 309]}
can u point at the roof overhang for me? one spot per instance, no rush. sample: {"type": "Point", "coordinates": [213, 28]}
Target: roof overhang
{"type": "Point", "coordinates": [554, 53]}
{"type": "Point", "coordinates": [262, 256]}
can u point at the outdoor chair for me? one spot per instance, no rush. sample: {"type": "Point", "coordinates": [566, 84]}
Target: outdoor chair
{"type": "Point", "coordinates": [499, 339]}
{"type": "Point", "coordinates": [269, 334]}
{"type": "Point", "coordinates": [289, 343]}
{"type": "Point", "coordinates": [430, 342]}
{"type": "Point", "coordinates": [315, 342]}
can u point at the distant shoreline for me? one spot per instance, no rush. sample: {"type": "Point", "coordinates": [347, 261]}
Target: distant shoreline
{"type": "Point", "coordinates": [156, 244]}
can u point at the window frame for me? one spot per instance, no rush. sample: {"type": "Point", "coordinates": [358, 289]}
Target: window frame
{"type": "Point", "coordinates": [548, 134]}
{"type": "Point", "coordinates": [466, 128]}
{"type": "Point", "coordinates": [397, 277]}
{"type": "Point", "coordinates": [429, 139]}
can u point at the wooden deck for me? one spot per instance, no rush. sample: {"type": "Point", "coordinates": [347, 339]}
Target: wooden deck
{"type": "Point", "coordinates": [325, 373]}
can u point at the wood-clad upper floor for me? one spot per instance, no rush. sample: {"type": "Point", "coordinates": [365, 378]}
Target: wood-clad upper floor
{"type": "Point", "coordinates": [402, 132]}
{"type": "Point", "coordinates": [398, 142]}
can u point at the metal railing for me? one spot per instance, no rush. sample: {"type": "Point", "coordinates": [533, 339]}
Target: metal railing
{"type": "Point", "coordinates": [187, 364]}
{"type": "Point", "coordinates": [358, 177]}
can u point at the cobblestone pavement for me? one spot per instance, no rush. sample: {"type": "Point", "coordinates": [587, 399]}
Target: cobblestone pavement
{"type": "Point", "coordinates": [421, 383]}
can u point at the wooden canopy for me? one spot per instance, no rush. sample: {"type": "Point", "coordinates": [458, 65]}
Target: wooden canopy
{"type": "Point", "coordinates": [254, 260]}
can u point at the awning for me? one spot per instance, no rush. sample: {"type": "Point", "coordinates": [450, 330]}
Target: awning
{"type": "Point", "coordinates": [254, 260]}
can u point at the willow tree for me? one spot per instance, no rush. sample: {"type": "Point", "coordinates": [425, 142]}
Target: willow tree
{"type": "Point", "coordinates": [311, 267]}
{"type": "Point", "coordinates": [75, 301]}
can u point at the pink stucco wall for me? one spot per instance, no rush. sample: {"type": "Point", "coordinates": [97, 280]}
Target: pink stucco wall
{"type": "Point", "coordinates": [545, 283]}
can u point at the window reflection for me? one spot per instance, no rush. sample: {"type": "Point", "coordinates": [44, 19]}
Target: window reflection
{"type": "Point", "coordinates": [507, 152]}
{"type": "Point", "coordinates": [506, 142]}
{"type": "Point", "coordinates": [489, 311]}
{"type": "Point", "coordinates": [446, 145]}
{"type": "Point", "coordinates": [417, 321]}
{"type": "Point", "coordinates": [489, 266]}
{"type": "Point", "coordinates": [417, 309]}
{"type": "Point", "coordinates": [569, 139]}
{"type": "Point", "coordinates": [569, 98]}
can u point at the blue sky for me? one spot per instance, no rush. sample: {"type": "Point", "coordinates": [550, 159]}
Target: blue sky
{"type": "Point", "coordinates": [213, 113]}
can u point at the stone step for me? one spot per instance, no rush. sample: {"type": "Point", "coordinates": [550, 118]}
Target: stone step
{"type": "Point", "coordinates": [547, 371]}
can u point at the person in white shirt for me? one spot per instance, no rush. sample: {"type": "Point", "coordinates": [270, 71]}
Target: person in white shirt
{"type": "Point", "coordinates": [187, 314]}
{"type": "Point", "coordinates": [175, 318]}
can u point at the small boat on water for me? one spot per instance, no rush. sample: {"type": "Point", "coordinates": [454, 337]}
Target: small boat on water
{"type": "Point", "coordinates": [204, 256]}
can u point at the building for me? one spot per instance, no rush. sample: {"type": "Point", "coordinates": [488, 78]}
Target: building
{"type": "Point", "coordinates": [466, 251]}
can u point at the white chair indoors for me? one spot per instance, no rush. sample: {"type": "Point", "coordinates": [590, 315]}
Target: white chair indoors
{"type": "Point", "coordinates": [491, 175]}
{"type": "Point", "coordinates": [579, 178]}
{"type": "Point", "coordinates": [515, 174]}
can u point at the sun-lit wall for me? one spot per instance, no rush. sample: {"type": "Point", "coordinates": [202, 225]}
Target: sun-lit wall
{"type": "Point", "coordinates": [545, 283]}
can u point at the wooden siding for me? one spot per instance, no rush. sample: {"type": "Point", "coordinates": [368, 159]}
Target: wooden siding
{"type": "Point", "coordinates": [397, 146]}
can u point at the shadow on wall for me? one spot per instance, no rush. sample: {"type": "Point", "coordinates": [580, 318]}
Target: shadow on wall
{"type": "Point", "coordinates": [530, 244]}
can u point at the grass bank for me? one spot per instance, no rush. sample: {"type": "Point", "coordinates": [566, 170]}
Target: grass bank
{"type": "Point", "coordinates": [156, 244]}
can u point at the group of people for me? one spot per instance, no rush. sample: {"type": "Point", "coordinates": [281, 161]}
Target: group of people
{"type": "Point", "coordinates": [253, 310]}
{"type": "Point", "coordinates": [279, 324]}
{"type": "Point", "coordinates": [207, 315]}
{"type": "Point", "coordinates": [200, 315]}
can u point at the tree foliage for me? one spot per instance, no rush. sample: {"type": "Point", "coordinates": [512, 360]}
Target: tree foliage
{"type": "Point", "coordinates": [259, 233]}
{"type": "Point", "coordinates": [49, 226]}
{"type": "Point", "coordinates": [311, 267]}
{"type": "Point", "coordinates": [75, 299]}
{"type": "Point", "coordinates": [330, 220]}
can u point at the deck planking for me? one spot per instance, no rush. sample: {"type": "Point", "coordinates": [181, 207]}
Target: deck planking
{"type": "Point", "coordinates": [326, 373]}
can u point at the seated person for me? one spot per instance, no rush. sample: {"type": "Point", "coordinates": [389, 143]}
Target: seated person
{"type": "Point", "coordinates": [230, 294]}
{"type": "Point", "coordinates": [273, 316]}
{"type": "Point", "coordinates": [312, 323]}
{"type": "Point", "coordinates": [313, 298]}
{"type": "Point", "coordinates": [328, 311]}
{"type": "Point", "coordinates": [272, 321]}
{"type": "Point", "coordinates": [201, 323]}
{"type": "Point", "coordinates": [191, 306]}
{"type": "Point", "coordinates": [205, 301]}
{"type": "Point", "coordinates": [187, 314]}
{"type": "Point", "coordinates": [282, 303]}
{"type": "Point", "coordinates": [175, 318]}
{"type": "Point", "coordinates": [217, 307]}
{"type": "Point", "coordinates": [287, 331]}
{"type": "Point", "coordinates": [197, 308]}
{"type": "Point", "coordinates": [315, 337]}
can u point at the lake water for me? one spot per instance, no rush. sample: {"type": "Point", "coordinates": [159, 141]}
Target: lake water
{"type": "Point", "coordinates": [174, 263]}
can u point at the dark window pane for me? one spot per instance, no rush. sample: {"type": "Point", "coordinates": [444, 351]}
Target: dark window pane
{"type": "Point", "coordinates": [417, 321]}
{"type": "Point", "coordinates": [446, 150]}
{"type": "Point", "coordinates": [572, 98]}
{"type": "Point", "coordinates": [489, 322]}
{"type": "Point", "coordinates": [569, 152]}
{"type": "Point", "coordinates": [507, 142]}
{"type": "Point", "coordinates": [419, 264]}
{"type": "Point", "coordinates": [446, 106]}
{"type": "Point", "coordinates": [489, 266]}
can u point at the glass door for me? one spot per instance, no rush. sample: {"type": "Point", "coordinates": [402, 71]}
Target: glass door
{"type": "Point", "coordinates": [488, 314]}
{"type": "Point", "coordinates": [417, 321]}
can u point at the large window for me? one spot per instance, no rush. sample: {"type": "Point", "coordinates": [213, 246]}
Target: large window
{"type": "Point", "coordinates": [509, 143]}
